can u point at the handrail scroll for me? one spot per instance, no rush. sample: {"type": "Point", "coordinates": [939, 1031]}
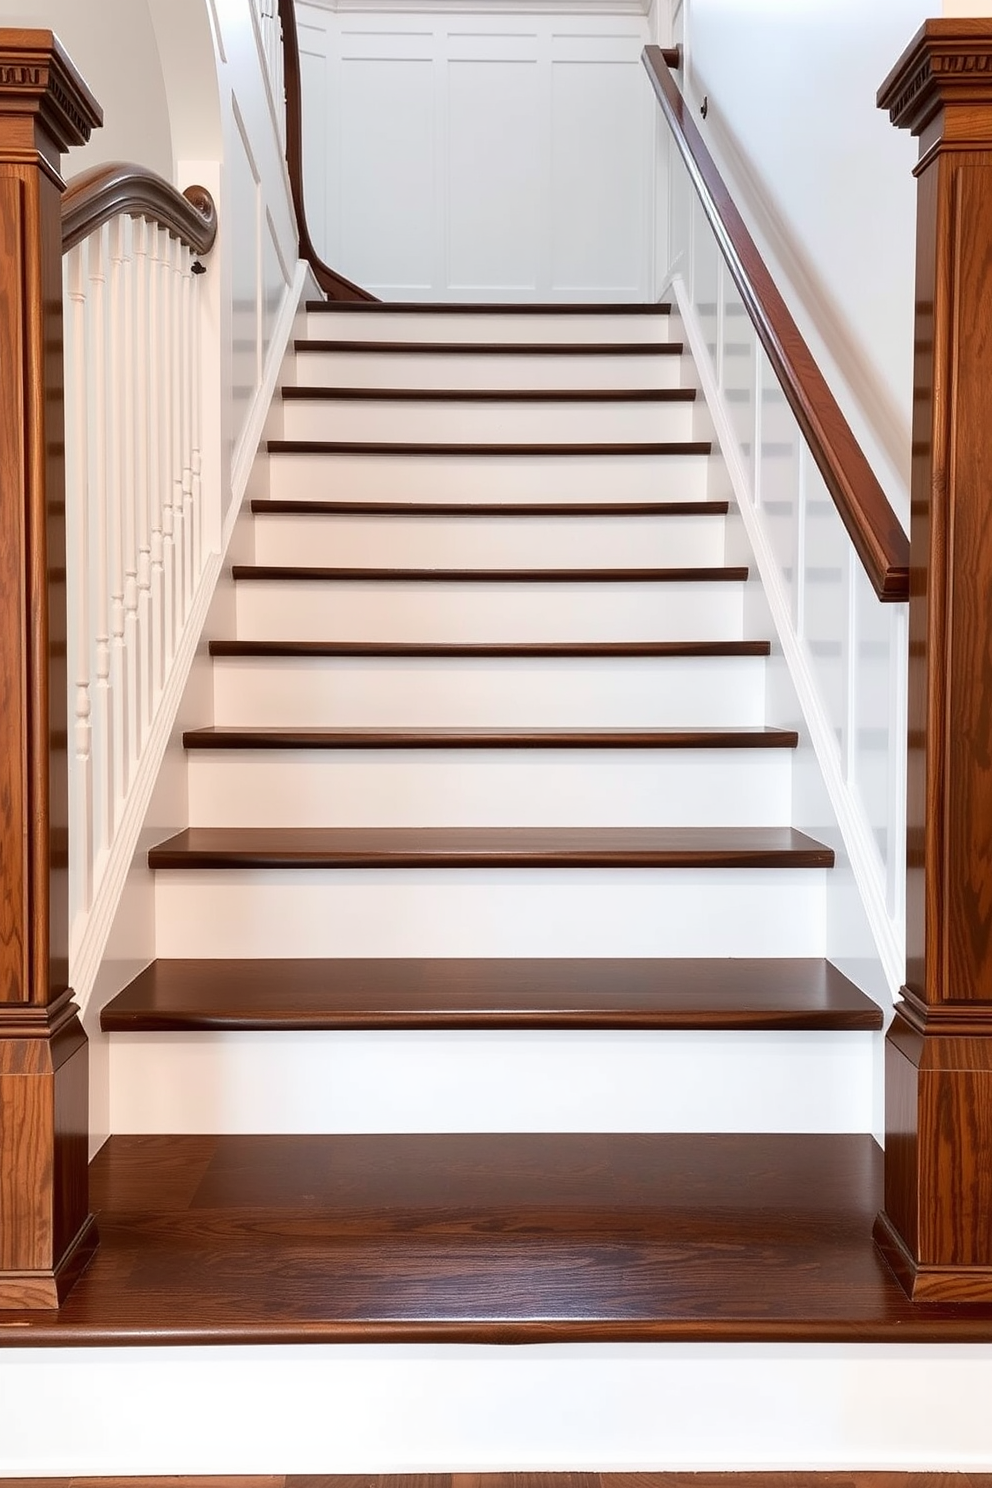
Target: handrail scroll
{"type": "Point", "coordinates": [871, 523]}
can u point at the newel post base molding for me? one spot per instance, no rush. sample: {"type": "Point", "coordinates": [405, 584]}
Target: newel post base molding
{"type": "Point", "coordinates": [936, 1227]}
{"type": "Point", "coordinates": [46, 1231]}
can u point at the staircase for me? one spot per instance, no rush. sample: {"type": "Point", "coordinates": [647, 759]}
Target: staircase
{"type": "Point", "coordinates": [490, 1003]}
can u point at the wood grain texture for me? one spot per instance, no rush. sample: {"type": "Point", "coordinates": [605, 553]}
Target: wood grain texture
{"type": "Point", "coordinates": [489, 847]}
{"type": "Point", "coordinates": [486, 738]}
{"type": "Point", "coordinates": [264, 506]}
{"type": "Point", "coordinates": [864, 509]}
{"type": "Point", "coordinates": [490, 1239]}
{"type": "Point", "coordinates": [284, 573]}
{"type": "Point", "coordinates": [936, 1228]}
{"type": "Point", "coordinates": [491, 451]}
{"type": "Point", "coordinates": [334, 285]}
{"type": "Point", "coordinates": [459, 993]}
{"type": "Point", "coordinates": [45, 1229]}
{"type": "Point", "coordinates": [121, 188]}
{"type": "Point", "coordinates": [499, 348]}
{"type": "Point", "coordinates": [469, 650]}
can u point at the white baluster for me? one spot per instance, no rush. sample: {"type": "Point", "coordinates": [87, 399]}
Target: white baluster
{"type": "Point", "coordinates": [120, 412]}
{"type": "Point", "coordinates": [143, 482]}
{"type": "Point", "coordinates": [102, 731]}
{"type": "Point", "coordinates": [78, 638]}
{"type": "Point", "coordinates": [176, 427]}
{"type": "Point", "coordinates": [185, 383]}
{"type": "Point", "coordinates": [195, 375]}
{"type": "Point", "coordinates": [165, 345]}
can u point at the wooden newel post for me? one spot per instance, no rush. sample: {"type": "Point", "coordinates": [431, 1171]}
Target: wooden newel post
{"type": "Point", "coordinates": [936, 1229]}
{"type": "Point", "coordinates": [46, 1231]}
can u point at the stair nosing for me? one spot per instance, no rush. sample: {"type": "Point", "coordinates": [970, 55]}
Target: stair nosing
{"type": "Point", "coordinates": [221, 737]}
{"type": "Point", "coordinates": [286, 573]}
{"type": "Point", "coordinates": [495, 348]}
{"type": "Point", "coordinates": [660, 449]}
{"type": "Point", "coordinates": [309, 393]}
{"type": "Point", "coordinates": [485, 307]}
{"type": "Point", "coordinates": [522, 650]}
{"type": "Point", "coordinates": [267, 506]}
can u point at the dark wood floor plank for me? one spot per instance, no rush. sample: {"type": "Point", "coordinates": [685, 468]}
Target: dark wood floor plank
{"type": "Point", "coordinates": [490, 847]}
{"type": "Point", "coordinates": [485, 738]}
{"type": "Point", "coordinates": [459, 993]}
{"type": "Point", "coordinates": [473, 650]}
{"type": "Point", "coordinates": [494, 1239]}
{"type": "Point", "coordinates": [285, 573]}
{"type": "Point", "coordinates": [498, 348]}
{"type": "Point", "coordinates": [266, 507]}
{"type": "Point", "coordinates": [661, 449]}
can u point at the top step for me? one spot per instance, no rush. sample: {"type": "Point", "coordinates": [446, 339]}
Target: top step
{"type": "Point", "coordinates": [482, 324]}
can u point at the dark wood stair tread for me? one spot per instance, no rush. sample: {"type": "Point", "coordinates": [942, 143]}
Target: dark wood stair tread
{"type": "Point", "coordinates": [499, 348]}
{"type": "Point", "coordinates": [460, 993]}
{"type": "Point", "coordinates": [572, 449]}
{"type": "Point", "coordinates": [489, 395]}
{"type": "Point", "coordinates": [475, 650]}
{"type": "Point", "coordinates": [284, 572]}
{"type": "Point", "coordinates": [489, 1239]}
{"type": "Point", "coordinates": [489, 738]}
{"type": "Point", "coordinates": [262, 506]}
{"type": "Point", "coordinates": [490, 847]}
{"type": "Point", "coordinates": [484, 307]}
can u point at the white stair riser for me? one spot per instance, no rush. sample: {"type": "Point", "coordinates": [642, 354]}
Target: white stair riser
{"type": "Point", "coordinates": [485, 423]}
{"type": "Point", "coordinates": [490, 912]}
{"type": "Point", "coordinates": [326, 325]}
{"type": "Point", "coordinates": [489, 542]}
{"type": "Point", "coordinates": [323, 692]}
{"type": "Point", "coordinates": [317, 610]}
{"type": "Point", "coordinates": [405, 1408]}
{"type": "Point", "coordinates": [499, 788]}
{"type": "Point", "coordinates": [404, 369]}
{"type": "Point", "coordinates": [486, 1081]}
{"type": "Point", "coordinates": [464, 477]}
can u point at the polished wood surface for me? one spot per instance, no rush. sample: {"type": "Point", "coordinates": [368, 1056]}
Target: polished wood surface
{"type": "Point", "coordinates": [277, 573]}
{"type": "Point", "coordinates": [490, 1239]}
{"type": "Point", "coordinates": [458, 993]}
{"type": "Point", "coordinates": [502, 348]}
{"type": "Point", "coordinates": [263, 506]}
{"type": "Point", "coordinates": [486, 738]}
{"type": "Point", "coordinates": [491, 451]}
{"type": "Point", "coordinates": [864, 509]}
{"type": "Point", "coordinates": [490, 395]}
{"type": "Point", "coordinates": [490, 847]}
{"type": "Point", "coordinates": [334, 285]}
{"type": "Point", "coordinates": [120, 188]}
{"type": "Point", "coordinates": [470, 307]}
{"type": "Point", "coordinates": [936, 1228]}
{"type": "Point", "coordinates": [46, 1233]}
{"type": "Point", "coordinates": [538, 1480]}
{"type": "Point", "coordinates": [469, 650]}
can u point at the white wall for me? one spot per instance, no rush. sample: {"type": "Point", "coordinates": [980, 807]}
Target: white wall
{"type": "Point", "coordinates": [825, 182]}
{"type": "Point", "coordinates": [477, 155]}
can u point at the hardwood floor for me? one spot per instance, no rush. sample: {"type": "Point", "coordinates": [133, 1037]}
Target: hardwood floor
{"type": "Point", "coordinates": [489, 1239]}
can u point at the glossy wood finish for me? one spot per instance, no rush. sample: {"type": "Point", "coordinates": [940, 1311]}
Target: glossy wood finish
{"type": "Point", "coordinates": [937, 1223]}
{"type": "Point", "coordinates": [490, 451]}
{"type": "Point", "coordinates": [448, 307]}
{"type": "Point", "coordinates": [561, 650]}
{"type": "Point", "coordinates": [334, 285]}
{"type": "Point", "coordinates": [263, 507]}
{"type": "Point", "coordinates": [870, 521]}
{"type": "Point", "coordinates": [490, 1239]}
{"type": "Point", "coordinates": [538, 1480]}
{"type": "Point", "coordinates": [489, 395]}
{"type": "Point", "coordinates": [46, 1232]}
{"type": "Point", "coordinates": [283, 573]}
{"type": "Point", "coordinates": [502, 348]}
{"type": "Point", "coordinates": [121, 188]}
{"type": "Point", "coordinates": [488, 738]}
{"type": "Point", "coordinates": [489, 847]}
{"type": "Point", "coordinates": [458, 993]}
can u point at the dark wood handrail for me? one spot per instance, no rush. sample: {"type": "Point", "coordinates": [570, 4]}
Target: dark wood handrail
{"type": "Point", "coordinates": [122, 189]}
{"type": "Point", "coordinates": [334, 285]}
{"type": "Point", "coordinates": [872, 525]}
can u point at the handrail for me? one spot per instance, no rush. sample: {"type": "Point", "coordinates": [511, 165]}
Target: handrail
{"type": "Point", "coordinates": [121, 189]}
{"type": "Point", "coordinates": [334, 285]}
{"type": "Point", "coordinates": [872, 525]}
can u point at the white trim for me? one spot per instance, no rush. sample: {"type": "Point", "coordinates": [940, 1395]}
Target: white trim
{"type": "Point", "coordinates": [854, 828]}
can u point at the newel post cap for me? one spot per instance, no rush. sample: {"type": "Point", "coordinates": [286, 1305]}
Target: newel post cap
{"type": "Point", "coordinates": [948, 63]}
{"type": "Point", "coordinates": [39, 79]}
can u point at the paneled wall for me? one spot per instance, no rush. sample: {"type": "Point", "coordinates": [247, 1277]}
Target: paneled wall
{"type": "Point", "coordinates": [480, 155]}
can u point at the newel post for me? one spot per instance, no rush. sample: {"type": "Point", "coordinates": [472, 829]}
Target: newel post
{"type": "Point", "coordinates": [936, 1228]}
{"type": "Point", "coordinates": [46, 1231]}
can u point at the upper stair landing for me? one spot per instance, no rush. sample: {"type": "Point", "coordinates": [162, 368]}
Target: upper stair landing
{"type": "Point", "coordinates": [477, 325]}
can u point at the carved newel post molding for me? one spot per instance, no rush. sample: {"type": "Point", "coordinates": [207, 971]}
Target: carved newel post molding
{"type": "Point", "coordinates": [936, 1229]}
{"type": "Point", "coordinates": [46, 1231]}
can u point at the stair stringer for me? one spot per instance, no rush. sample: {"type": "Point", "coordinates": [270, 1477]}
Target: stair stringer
{"type": "Point", "coordinates": [865, 907]}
